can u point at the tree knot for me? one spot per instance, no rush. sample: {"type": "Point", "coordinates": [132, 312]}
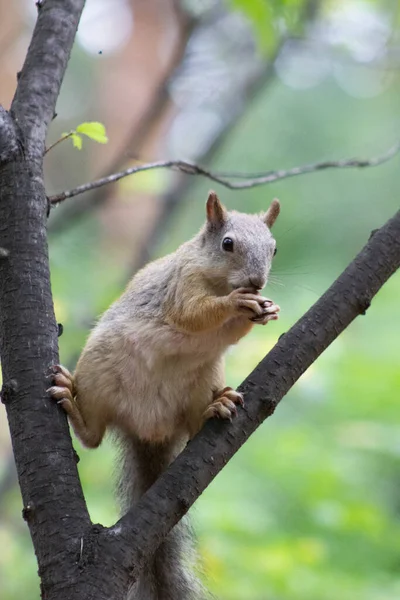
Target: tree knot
{"type": "Point", "coordinates": [364, 304]}
{"type": "Point", "coordinates": [184, 503]}
{"type": "Point", "coordinates": [27, 511]}
{"type": "Point", "coordinates": [8, 391]}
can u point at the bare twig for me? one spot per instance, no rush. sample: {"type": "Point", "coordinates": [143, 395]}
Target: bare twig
{"type": "Point", "coordinates": [224, 179]}
{"type": "Point", "coordinates": [61, 139]}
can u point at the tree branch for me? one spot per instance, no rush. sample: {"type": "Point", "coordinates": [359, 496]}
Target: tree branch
{"type": "Point", "coordinates": [224, 179]}
{"type": "Point", "coordinates": [41, 76]}
{"type": "Point", "coordinates": [135, 536]}
{"type": "Point", "coordinates": [54, 506]}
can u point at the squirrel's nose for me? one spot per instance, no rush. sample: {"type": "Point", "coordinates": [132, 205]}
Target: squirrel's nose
{"type": "Point", "coordinates": [257, 282]}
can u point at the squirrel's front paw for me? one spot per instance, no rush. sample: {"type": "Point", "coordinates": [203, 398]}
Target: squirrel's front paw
{"type": "Point", "coordinates": [246, 302]}
{"type": "Point", "coordinates": [224, 404]}
{"type": "Point", "coordinates": [270, 313]}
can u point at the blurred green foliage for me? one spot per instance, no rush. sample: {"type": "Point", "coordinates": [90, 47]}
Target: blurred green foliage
{"type": "Point", "coordinates": [309, 508]}
{"type": "Point", "coordinates": [270, 18]}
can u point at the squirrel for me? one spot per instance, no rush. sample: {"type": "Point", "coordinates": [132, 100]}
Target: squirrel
{"type": "Point", "coordinates": [152, 368]}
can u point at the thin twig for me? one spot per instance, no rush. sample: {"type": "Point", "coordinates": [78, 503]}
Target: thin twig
{"type": "Point", "coordinates": [61, 139]}
{"type": "Point", "coordinates": [224, 179]}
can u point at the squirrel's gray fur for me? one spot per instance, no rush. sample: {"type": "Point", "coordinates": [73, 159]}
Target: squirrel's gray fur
{"type": "Point", "coordinates": [170, 573]}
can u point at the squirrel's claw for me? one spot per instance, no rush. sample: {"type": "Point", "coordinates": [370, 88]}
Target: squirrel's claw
{"type": "Point", "coordinates": [60, 393]}
{"type": "Point", "coordinates": [63, 388]}
{"type": "Point", "coordinates": [270, 313]}
{"type": "Point", "coordinates": [218, 409]}
{"type": "Point", "coordinates": [228, 392]}
{"type": "Point", "coordinates": [264, 319]}
{"type": "Point", "coordinates": [257, 307]}
{"type": "Point", "coordinates": [62, 377]}
{"type": "Point", "coordinates": [224, 404]}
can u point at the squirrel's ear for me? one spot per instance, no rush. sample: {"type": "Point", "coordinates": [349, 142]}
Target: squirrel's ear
{"type": "Point", "coordinates": [272, 213]}
{"type": "Point", "coordinates": [216, 212]}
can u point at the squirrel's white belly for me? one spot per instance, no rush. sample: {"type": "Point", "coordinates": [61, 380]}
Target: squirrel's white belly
{"type": "Point", "coordinates": [161, 346]}
{"type": "Point", "coordinates": [166, 376]}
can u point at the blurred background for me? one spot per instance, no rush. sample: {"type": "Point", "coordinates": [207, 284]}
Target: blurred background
{"type": "Point", "coordinates": [309, 508]}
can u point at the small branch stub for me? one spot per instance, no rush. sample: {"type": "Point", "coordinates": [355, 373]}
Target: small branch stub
{"type": "Point", "coordinates": [365, 303]}
{"type": "Point", "coordinates": [27, 512]}
{"type": "Point", "coordinates": [8, 391]}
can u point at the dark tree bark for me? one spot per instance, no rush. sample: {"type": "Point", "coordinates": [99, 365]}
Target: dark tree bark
{"type": "Point", "coordinates": [76, 558]}
{"type": "Point", "coordinates": [44, 456]}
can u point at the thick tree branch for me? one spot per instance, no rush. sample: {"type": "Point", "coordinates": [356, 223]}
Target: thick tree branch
{"type": "Point", "coordinates": [224, 179]}
{"type": "Point", "coordinates": [136, 535]}
{"type": "Point", "coordinates": [41, 76]}
{"type": "Point", "coordinates": [54, 506]}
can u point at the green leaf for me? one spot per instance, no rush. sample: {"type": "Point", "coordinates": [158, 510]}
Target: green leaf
{"type": "Point", "coordinates": [76, 140]}
{"type": "Point", "coordinates": [94, 130]}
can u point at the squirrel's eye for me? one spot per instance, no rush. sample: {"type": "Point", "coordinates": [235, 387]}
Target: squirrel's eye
{"type": "Point", "coordinates": [227, 244]}
{"type": "Point", "coordinates": [276, 250]}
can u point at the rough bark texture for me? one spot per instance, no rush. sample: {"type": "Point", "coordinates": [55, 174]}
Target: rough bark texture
{"type": "Point", "coordinates": [43, 71]}
{"type": "Point", "coordinates": [54, 506]}
{"type": "Point", "coordinates": [77, 559]}
{"type": "Point", "coordinates": [28, 346]}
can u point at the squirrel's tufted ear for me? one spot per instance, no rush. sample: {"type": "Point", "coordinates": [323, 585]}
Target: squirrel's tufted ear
{"type": "Point", "coordinates": [216, 212]}
{"type": "Point", "coordinates": [272, 213]}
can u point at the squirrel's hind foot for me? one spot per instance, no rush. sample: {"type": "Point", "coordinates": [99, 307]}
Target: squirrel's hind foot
{"type": "Point", "coordinates": [64, 393]}
{"type": "Point", "coordinates": [224, 404]}
{"type": "Point", "coordinates": [63, 390]}
{"type": "Point", "coordinates": [62, 378]}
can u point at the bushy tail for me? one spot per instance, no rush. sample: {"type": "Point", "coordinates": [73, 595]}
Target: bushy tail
{"type": "Point", "coordinates": [168, 575]}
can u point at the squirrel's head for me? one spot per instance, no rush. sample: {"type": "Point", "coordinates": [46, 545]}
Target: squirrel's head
{"type": "Point", "coordinates": [240, 246]}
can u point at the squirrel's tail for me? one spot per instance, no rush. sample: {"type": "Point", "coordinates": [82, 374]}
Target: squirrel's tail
{"type": "Point", "coordinates": [169, 573]}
